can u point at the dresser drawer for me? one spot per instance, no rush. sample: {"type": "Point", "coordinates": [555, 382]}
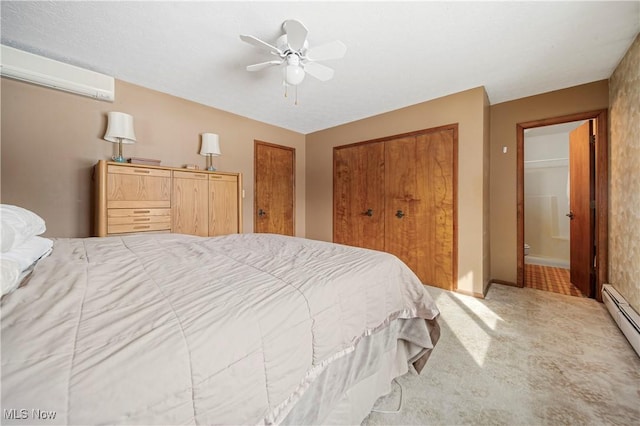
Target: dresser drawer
{"type": "Point", "coordinates": [137, 220]}
{"type": "Point", "coordinates": [223, 178]}
{"type": "Point", "coordinates": [138, 227]}
{"type": "Point", "coordinates": [141, 212]}
{"type": "Point", "coordinates": [190, 175]}
{"type": "Point", "coordinates": [138, 171]}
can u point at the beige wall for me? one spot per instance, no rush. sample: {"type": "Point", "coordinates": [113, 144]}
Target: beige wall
{"type": "Point", "coordinates": [51, 140]}
{"type": "Point", "coordinates": [504, 117]}
{"type": "Point", "coordinates": [624, 188]}
{"type": "Point", "coordinates": [466, 108]}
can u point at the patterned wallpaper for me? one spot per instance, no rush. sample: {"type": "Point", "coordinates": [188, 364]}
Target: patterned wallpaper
{"type": "Point", "coordinates": [624, 212]}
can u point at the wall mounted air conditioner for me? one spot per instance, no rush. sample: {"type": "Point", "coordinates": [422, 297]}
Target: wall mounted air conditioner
{"type": "Point", "coordinates": [21, 65]}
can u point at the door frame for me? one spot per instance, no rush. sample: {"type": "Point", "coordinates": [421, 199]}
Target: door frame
{"type": "Point", "coordinates": [256, 143]}
{"type": "Point", "coordinates": [601, 191]}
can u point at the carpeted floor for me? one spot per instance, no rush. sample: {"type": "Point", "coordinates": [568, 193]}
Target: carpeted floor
{"type": "Point", "coordinates": [549, 278]}
{"type": "Point", "coordinates": [520, 357]}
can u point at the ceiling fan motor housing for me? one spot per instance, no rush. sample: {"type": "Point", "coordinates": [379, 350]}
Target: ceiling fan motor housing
{"type": "Point", "coordinates": [283, 44]}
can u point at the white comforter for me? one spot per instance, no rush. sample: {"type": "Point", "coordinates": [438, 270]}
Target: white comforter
{"type": "Point", "coordinates": [173, 329]}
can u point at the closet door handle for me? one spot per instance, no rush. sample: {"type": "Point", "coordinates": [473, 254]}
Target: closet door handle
{"type": "Point", "coordinates": [369, 212]}
{"type": "Point", "coordinates": [399, 214]}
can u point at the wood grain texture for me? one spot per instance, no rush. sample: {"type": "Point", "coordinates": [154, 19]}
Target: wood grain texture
{"type": "Point", "coordinates": [580, 196]}
{"type": "Point", "coordinates": [190, 203]}
{"type": "Point", "coordinates": [223, 205]}
{"type": "Point", "coordinates": [274, 188]}
{"type": "Point", "coordinates": [359, 207]}
{"type": "Point", "coordinates": [436, 187]}
{"type": "Point", "coordinates": [403, 197]}
{"type": "Point", "coordinates": [100, 199]}
{"type": "Point", "coordinates": [133, 198]}
{"type": "Point", "coordinates": [420, 185]}
{"type": "Point", "coordinates": [412, 180]}
{"type": "Point", "coordinates": [132, 190]}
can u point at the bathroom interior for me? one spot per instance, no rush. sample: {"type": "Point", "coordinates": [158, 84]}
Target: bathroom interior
{"type": "Point", "coordinates": [546, 205]}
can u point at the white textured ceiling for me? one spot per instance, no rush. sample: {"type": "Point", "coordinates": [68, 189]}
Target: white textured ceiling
{"type": "Point", "coordinates": [398, 54]}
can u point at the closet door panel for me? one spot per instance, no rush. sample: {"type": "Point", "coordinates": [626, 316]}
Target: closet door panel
{"type": "Point", "coordinates": [359, 207]}
{"type": "Point", "coordinates": [404, 202]}
{"type": "Point", "coordinates": [436, 175]}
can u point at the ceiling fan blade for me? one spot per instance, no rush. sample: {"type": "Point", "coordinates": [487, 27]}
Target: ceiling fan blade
{"type": "Point", "coordinates": [319, 71]}
{"type": "Point", "coordinates": [259, 43]}
{"type": "Point", "coordinates": [334, 50]}
{"type": "Point", "coordinates": [262, 65]}
{"type": "Point", "coordinates": [296, 33]}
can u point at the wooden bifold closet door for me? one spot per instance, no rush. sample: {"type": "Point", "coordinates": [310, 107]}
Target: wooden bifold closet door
{"type": "Point", "coordinates": [359, 196]}
{"type": "Point", "coordinates": [398, 195]}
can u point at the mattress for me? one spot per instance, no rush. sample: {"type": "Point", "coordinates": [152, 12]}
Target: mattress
{"type": "Point", "coordinates": [176, 329]}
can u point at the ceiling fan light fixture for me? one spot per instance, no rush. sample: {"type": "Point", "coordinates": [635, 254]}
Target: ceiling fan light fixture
{"type": "Point", "coordinates": [294, 74]}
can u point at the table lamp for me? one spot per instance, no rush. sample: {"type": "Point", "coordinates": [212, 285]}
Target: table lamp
{"type": "Point", "coordinates": [120, 130]}
{"type": "Point", "coordinates": [210, 147]}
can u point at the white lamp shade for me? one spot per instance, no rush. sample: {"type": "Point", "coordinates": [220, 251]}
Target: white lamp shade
{"type": "Point", "coordinates": [120, 128]}
{"type": "Point", "coordinates": [210, 144]}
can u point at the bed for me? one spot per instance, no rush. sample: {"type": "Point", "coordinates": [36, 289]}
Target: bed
{"type": "Point", "coordinates": [239, 329]}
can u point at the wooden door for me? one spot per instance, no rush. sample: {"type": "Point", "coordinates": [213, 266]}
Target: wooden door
{"type": "Point", "coordinates": [404, 204]}
{"type": "Point", "coordinates": [224, 205]}
{"type": "Point", "coordinates": [437, 182]}
{"type": "Point", "coordinates": [190, 203]}
{"type": "Point", "coordinates": [581, 196]}
{"type": "Point", "coordinates": [358, 214]}
{"type": "Point", "coordinates": [274, 188]}
{"type": "Point", "coordinates": [420, 196]}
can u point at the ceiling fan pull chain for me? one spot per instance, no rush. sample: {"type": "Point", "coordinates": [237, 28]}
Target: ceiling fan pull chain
{"type": "Point", "coordinates": [296, 95]}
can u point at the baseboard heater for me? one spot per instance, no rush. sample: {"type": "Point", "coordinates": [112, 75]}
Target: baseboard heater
{"type": "Point", "coordinates": [623, 314]}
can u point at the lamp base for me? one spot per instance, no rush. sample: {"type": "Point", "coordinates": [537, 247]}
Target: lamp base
{"type": "Point", "coordinates": [211, 168]}
{"type": "Point", "coordinates": [119, 159]}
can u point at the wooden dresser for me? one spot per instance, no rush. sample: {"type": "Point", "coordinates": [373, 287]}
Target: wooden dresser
{"type": "Point", "coordinates": [132, 198]}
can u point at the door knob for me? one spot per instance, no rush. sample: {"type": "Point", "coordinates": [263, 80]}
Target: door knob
{"type": "Point", "coordinates": [399, 214]}
{"type": "Point", "coordinates": [261, 213]}
{"type": "Point", "coordinates": [369, 212]}
{"type": "Point", "coordinates": [570, 215]}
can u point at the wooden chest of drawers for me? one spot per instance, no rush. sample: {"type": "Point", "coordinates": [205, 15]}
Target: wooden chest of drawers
{"type": "Point", "coordinates": [133, 199]}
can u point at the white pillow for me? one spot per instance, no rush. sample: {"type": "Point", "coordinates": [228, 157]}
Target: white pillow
{"type": "Point", "coordinates": [9, 275]}
{"type": "Point", "coordinates": [30, 251]}
{"type": "Point", "coordinates": [17, 225]}
{"type": "Point", "coordinates": [17, 263]}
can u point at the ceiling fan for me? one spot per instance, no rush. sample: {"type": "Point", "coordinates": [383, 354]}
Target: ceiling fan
{"type": "Point", "coordinates": [292, 49]}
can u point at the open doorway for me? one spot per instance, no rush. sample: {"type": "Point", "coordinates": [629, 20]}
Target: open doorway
{"type": "Point", "coordinates": [547, 211]}
{"type": "Point", "coordinates": [584, 202]}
